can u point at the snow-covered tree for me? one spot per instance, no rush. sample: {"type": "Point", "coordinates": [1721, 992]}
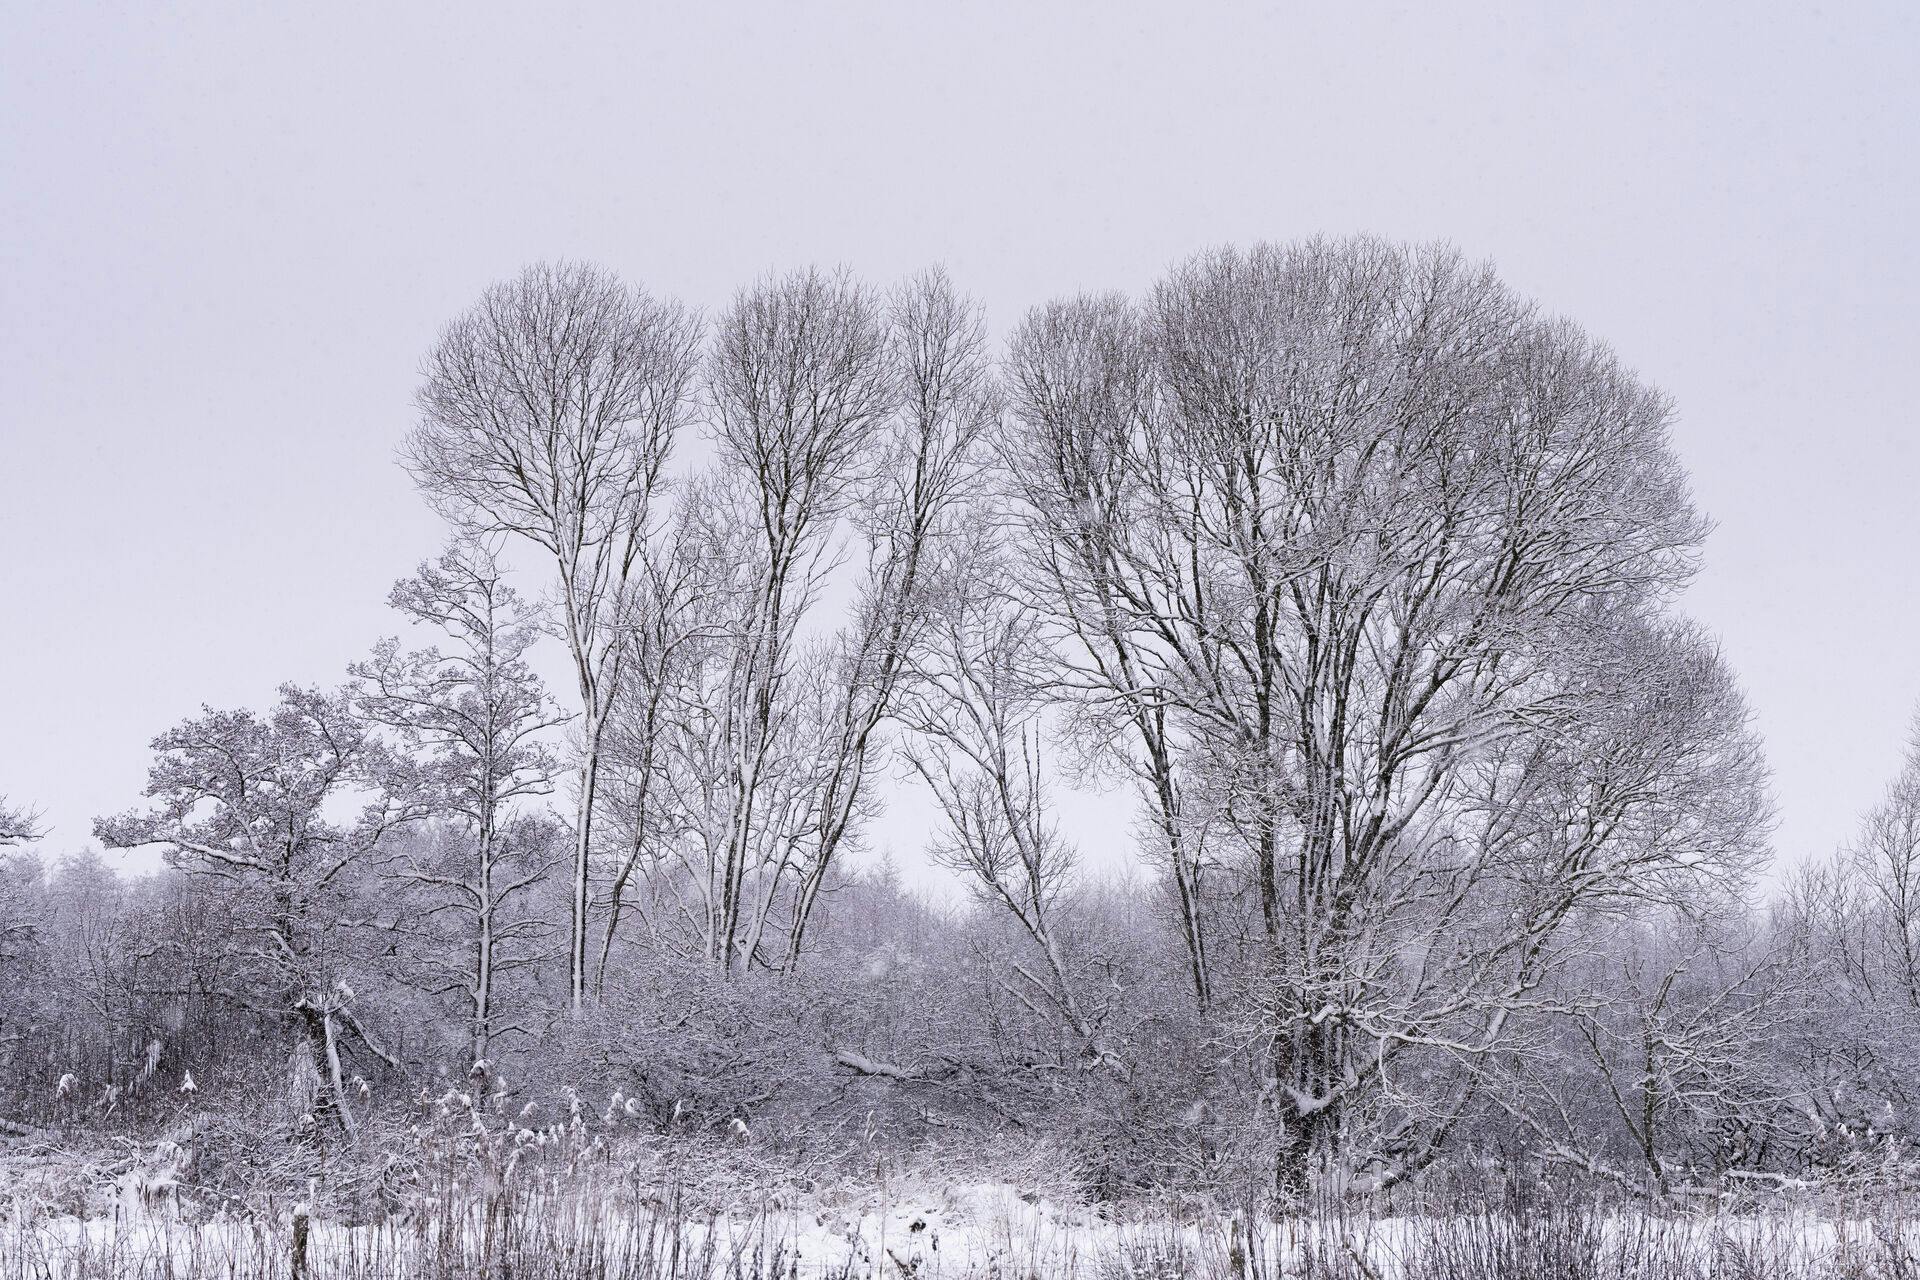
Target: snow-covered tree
{"type": "Point", "coordinates": [977, 706]}
{"type": "Point", "coordinates": [249, 801]}
{"type": "Point", "coordinates": [910, 515]}
{"type": "Point", "coordinates": [1390, 553]}
{"type": "Point", "coordinates": [841, 416]}
{"type": "Point", "coordinates": [18, 825]}
{"type": "Point", "coordinates": [799, 381]}
{"type": "Point", "coordinates": [476, 720]}
{"type": "Point", "coordinates": [548, 412]}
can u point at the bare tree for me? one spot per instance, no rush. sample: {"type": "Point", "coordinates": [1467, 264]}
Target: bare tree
{"type": "Point", "coordinates": [976, 710]}
{"type": "Point", "coordinates": [1666, 1073]}
{"type": "Point", "coordinates": [749, 728]}
{"type": "Point", "coordinates": [1858, 1032]}
{"type": "Point", "coordinates": [478, 716]}
{"type": "Point", "coordinates": [18, 825]}
{"type": "Point", "coordinates": [1886, 858]}
{"type": "Point", "coordinates": [19, 923]}
{"type": "Point", "coordinates": [678, 617]}
{"type": "Point", "coordinates": [801, 392]}
{"type": "Point", "coordinates": [243, 799]}
{"type": "Point", "coordinates": [1379, 526]}
{"type": "Point", "coordinates": [945, 403]}
{"type": "Point", "coordinates": [1085, 401]}
{"type": "Point", "coordinates": [548, 411]}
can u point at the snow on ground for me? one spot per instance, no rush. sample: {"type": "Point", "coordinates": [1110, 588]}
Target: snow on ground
{"type": "Point", "coordinates": [957, 1232]}
{"type": "Point", "coordinates": [986, 1230]}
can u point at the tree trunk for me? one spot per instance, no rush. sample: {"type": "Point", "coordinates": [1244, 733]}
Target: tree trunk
{"type": "Point", "coordinates": [582, 850]}
{"type": "Point", "coordinates": [321, 1050]}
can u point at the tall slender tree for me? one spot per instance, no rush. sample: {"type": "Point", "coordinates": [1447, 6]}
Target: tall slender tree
{"type": "Point", "coordinates": [547, 412]}
{"type": "Point", "coordinates": [801, 391]}
{"type": "Point", "coordinates": [477, 718]}
{"type": "Point", "coordinates": [976, 707]}
{"type": "Point", "coordinates": [945, 402]}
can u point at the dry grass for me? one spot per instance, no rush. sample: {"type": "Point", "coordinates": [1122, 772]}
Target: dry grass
{"type": "Point", "coordinates": [563, 1206]}
{"type": "Point", "coordinates": [586, 1235]}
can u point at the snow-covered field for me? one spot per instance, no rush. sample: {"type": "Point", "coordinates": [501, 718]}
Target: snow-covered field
{"type": "Point", "coordinates": [975, 1231]}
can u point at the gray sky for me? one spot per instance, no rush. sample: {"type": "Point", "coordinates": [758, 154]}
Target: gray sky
{"type": "Point", "coordinates": [228, 234]}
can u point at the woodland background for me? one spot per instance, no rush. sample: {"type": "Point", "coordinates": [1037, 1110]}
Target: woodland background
{"type": "Point", "coordinates": [1355, 575]}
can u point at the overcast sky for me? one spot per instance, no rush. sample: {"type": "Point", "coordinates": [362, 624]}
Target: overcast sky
{"type": "Point", "coordinates": [227, 235]}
